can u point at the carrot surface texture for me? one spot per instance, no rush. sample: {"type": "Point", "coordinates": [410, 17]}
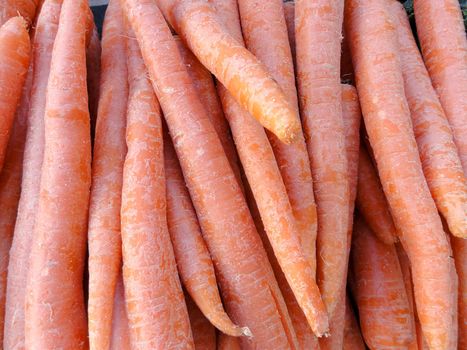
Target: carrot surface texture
{"type": "Point", "coordinates": [204, 334]}
{"type": "Point", "coordinates": [12, 8]}
{"type": "Point", "coordinates": [120, 338]}
{"type": "Point", "coordinates": [45, 31]}
{"type": "Point", "coordinates": [104, 236]}
{"type": "Point", "coordinates": [352, 335]}
{"type": "Point", "coordinates": [249, 290]}
{"type": "Point", "coordinates": [233, 65]}
{"type": "Point", "coordinates": [157, 312]}
{"type": "Point", "coordinates": [459, 247]}
{"type": "Point", "coordinates": [387, 120]}
{"type": "Point", "coordinates": [93, 66]}
{"type": "Point", "coordinates": [59, 243]}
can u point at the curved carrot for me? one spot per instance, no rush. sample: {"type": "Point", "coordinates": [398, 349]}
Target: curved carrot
{"type": "Point", "coordinates": [14, 63]}
{"type": "Point", "coordinates": [12, 8]}
{"type": "Point", "coordinates": [156, 308]}
{"type": "Point", "coordinates": [224, 342]}
{"type": "Point", "coordinates": [371, 201]}
{"type": "Point", "coordinates": [352, 335]}
{"type": "Point", "coordinates": [193, 260]}
{"type": "Point", "coordinates": [93, 66]}
{"type": "Point", "coordinates": [59, 245]}
{"type": "Point", "coordinates": [459, 247]}
{"type": "Point", "coordinates": [387, 121]}
{"type": "Point", "coordinates": [104, 237]}
{"type": "Point", "coordinates": [248, 287]}
{"type": "Point", "coordinates": [289, 14]}
{"type": "Point", "coordinates": [442, 38]}
{"type": "Point", "coordinates": [235, 67]}
{"type": "Point", "coordinates": [321, 106]}
{"type": "Point", "coordinates": [204, 334]}
{"type": "Point", "coordinates": [380, 294]}
{"type": "Point", "coordinates": [120, 338]}
{"type": "Point", "coordinates": [45, 31]}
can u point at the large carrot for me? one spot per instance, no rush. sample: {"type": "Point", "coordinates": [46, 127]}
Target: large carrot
{"type": "Point", "coordinates": [193, 260]}
{"type": "Point", "coordinates": [384, 310]}
{"type": "Point", "coordinates": [352, 335]}
{"type": "Point", "coordinates": [459, 248]}
{"type": "Point", "coordinates": [93, 66]}
{"type": "Point", "coordinates": [59, 245]}
{"type": "Point", "coordinates": [157, 312]}
{"type": "Point", "coordinates": [248, 287]}
{"type": "Point", "coordinates": [14, 62]}
{"type": "Point", "coordinates": [204, 334]}
{"type": "Point", "coordinates": [318, 62]}
{"type": "Point", "coordinates": [45, 31]}
{"type": "Point", "coordinates": [438, 152]}
{"type": "Point", "coordinates": [233, 65]}
{"type": "Point", "coordinates": [442, 38]}
{"type": "Point", "coordinates": [120, 339]}
{"type": "Point", "coordinates": [12, 8]}
{"type": "Point", "coordinates": [105, 243]}
{"type": "Point", "coordinates": [387, 120]}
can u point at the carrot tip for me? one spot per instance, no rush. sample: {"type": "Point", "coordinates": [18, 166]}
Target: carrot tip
{"type": "Point", "coordinates": [246, 332]}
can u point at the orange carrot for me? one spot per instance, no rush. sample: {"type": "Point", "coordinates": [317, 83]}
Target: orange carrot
{"type": "Point", "coordinates": [442, 38]}
{"type": "Point", "coordinates": [120, 339]}
{"type": "Point", "coordinates": [289, 13]}
{"type": "Point", "coordinates": [235, 67]}
{"type": "Point", "coordinates": [59, 244]}
{"type": "Point", "coordinates": [237, 253]}
{"type": "Point", "coordinates": [105, 243]}
{"type": "Point", "coordinates": [12, 8]}
{"type": "Point", "coordinates": [204, 334]}
{"type": "Point", "coordinates": [438, 152]}
{"type": "Point", "coordinates": [387, 121]}
{"type": "Point", "coordinates": [380, 293]}
{"type": "Point", "coordinates": [224, 342]}
{"type": "Point", "coordinates": [15, 49]}
{"type": "Point", "coordinates": [193, 260]}
{"type": "Point", "coordinates": [371, 201]}
{"type": "Point", "coordinates": [352, 335]}
{"type": "Point", "coordinates": [157, 313]}
{"type": "Point", "coordinates": [45, 31]}
{"type": "Point", "coordinates": [93, 66]}
{"type": "Point", "coordinates": [459, 247]}
{"type": "Point", "coordinates": [321, 106]}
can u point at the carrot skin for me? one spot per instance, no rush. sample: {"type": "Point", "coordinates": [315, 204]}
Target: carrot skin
{"type": "Point", "coordinates": [289, 14]}
{"type": "Point", "coordinates": [12, 8]}
{"type": "Point", "coordinates": [352, 335]}
{"type": "Point", "coordinates": [120, 338]}
{"type": "Point", "coordinates": [459, 247]}
{"type": "Point", "coordinates": [204, 334]}
{"type": "Point", "coordinates": [93, 66]}
{"type": "Point", "coordinates": [224, 342]}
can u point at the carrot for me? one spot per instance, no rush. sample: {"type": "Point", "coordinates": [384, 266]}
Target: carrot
{"type": "Point", "coordinates": [120, 339]}
{"type": "Point", "coordinates": [442, 38]}
{"type": "Point", "coordinates": [352, 335]}
{"type": "Point", "coordinates": [15, 48]}
{"type": "Point", "coordinates": [235, 67]}
{"type": "Point", "coordinates": [45, 31]}
{"type": "Point", "coordinates": [193, 260]}
{"type": "Point", "coordinates": [93, 66]}
{"type": "Point", "coordinates": [157, 312]}
{"type": "Point", "coordinates": [380, 294]}
{"type": "Point", "coordinates": [459, 247]}
{"type": "Point", "coordinates": [289, 14]}
{"type": "Point", "coordinates": [59, 245]}
{"type": "Point", "coordinates": [249, 290]}
{"type": "Point", "coordinates": [204, 334]}
{"type": "Point", "coordinates": [371, 201]}
{"type": "Point", "coordinates": [387, 117]}
{"type": "Point", "coordinates": [12, 8]}
{"type": "Point", "coordinates": [224, 342]}
{"type": "Point", "coordinates": [105, 243]}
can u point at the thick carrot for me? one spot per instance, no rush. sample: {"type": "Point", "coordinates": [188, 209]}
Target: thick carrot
{"type": "Point", "coordinates": [459, 247]}
{"type": "Point", "coordinates": [45, 31]}
{"type": "Point", "coordinates": [352, 335]}
{"type": "Point", "coordinates": [104, 237]}
{"type": "Point", "coordinates": [193, 260]}
{"type": "Point", "coordinates": [157, 312]}
{"type": "Point", "coordinates": [204, 334]}
{"type": "Point", "coordinates": [235, 67]}
{"type": "Point", "coordinates": [93, 66]}
{"type": "Point", "coordinates": [371, 201]}
{"type": "Point", "coordinates": [224, 342]}
{"type": "Point", "coordinates": [120, 339]}
{"type": "Point", "coordinates": [383, 306]}
{"type": "Point", "coordinates": [14, 62]}
{"type": "Point", "coordinates": [441, 32]}
{"type": "Point", "coordinates": [320, 100]}
{"type": "Point", "coordinates": [12, 8]}
{"type": "Point", "coordinates": [289, 14]}
{"type": "Point", "coordinates": [248, 287]}
{"type": "Point", "coordinates": [387, 121]}
{"type": "Point", "coordinates": [59, 245]}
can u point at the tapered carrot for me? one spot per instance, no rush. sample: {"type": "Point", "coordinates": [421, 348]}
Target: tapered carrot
{"type": "Point", "coordinates": [387, 121]}
{"type": "Point", "coordinates": [438, 152]}
{"type": "Point", "coordinates": [14, 62]}
{"type": "Point", "coordinates": [204, 334]}
{"type": "Point", "coordinates": [105, 243]}
{"type": "Point", "coordinates": [371, 201]}
{"type": "Point", "coordinates": [459, 247]}
{"type": "Point", "coordinates": [45, 31]}
{"type": "Point", "coordinates": [352, 335]}
{"type": "Point", "coordinates": [380, 294]}
{"type": "Point", "coordinates": [248, 287]}
{"type": "Point", "coordinates": [12, 8]}
{"type": "Point", "coordinates": [156, 308]}
{"type": "Point", "coordinates": [224, 342]}
{"type": "Point", "coordinates": [59, 244]}
{"type": "Point", "coordinates": [120, 339]}
{"type": "Point", "coordinates": [441, 32]}
{"type": "Point", "coordinates": [93, 66]}
{"type": "Point", "coordinates": [235, 67]}
{"type": "Point", "coordinates": [289, 14]}
{"type": "Point", "coordinates": [193, 260]}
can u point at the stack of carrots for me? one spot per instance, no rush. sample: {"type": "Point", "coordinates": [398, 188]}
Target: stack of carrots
{"type": "Point", "coordinates": [233, 174]}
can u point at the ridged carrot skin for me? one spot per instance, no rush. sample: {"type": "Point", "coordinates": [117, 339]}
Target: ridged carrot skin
{"type": "Point", "coordinates": [93, 67]}
{"type": "Point", "coordinates": [59, 245]}
{"type": "Point", "coordinates": [459, 247]}
{"type": "Point", "coordinates": [204, 333]}
{"type": "Point", "coordinates": [233, 65]}
{"type": "Point", "coordinates": [104, 236]}
{"type": "Point", "coordinates": [45, 31]}
{"type": "Point", "coordinates": [15, 48]}
{"type": "Point", "coordinates": [120, 338]}
{"type": "Point", "coordinates": [441, 33]}
{"type": "Point", "coordinates": [352, 335]}
{"type": "Point", "coordinates": [156, 308]}
{"type": "Point", "coordinates": [249, 290]}
{"type": "Point", "coordinates": [438, 152]}
{"type": "Point", "coordinates": [12, 8]}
